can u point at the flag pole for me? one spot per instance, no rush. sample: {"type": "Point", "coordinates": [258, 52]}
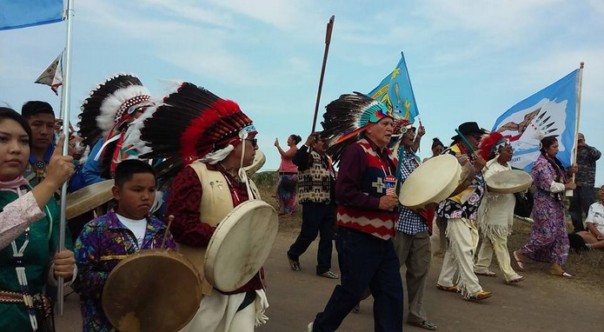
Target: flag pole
{"type": "Point", "coordinates": [327, 42]}
{"type": "Point", "coordinates": [65, 115]}
{"type": "Point", "coordinates": [573, 157]}
{"type": "Point", "coordinates": [578, 117]}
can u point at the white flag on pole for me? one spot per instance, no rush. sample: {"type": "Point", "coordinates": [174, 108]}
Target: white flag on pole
{"type": "Point", "coordinates": [53, 75]}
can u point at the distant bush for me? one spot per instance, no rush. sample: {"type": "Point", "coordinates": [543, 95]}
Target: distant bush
{"type": "Point", "coordinates": [266, 179]}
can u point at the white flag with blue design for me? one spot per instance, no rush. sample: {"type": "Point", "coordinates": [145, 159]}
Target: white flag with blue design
{"type": "Point", "coordinates": [551, 111]}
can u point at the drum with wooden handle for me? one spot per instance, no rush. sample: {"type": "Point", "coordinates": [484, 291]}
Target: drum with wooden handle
{"type": "Point", "coordinates": [430, 183]}
{"type": "Point", "coordinates": [88, 198]}
{"type": "Point", "coordinates": [152, 290]}
{"type": "Point", "coordinates": [240, 245]}
{"type": "Point", "coordinates": [509, 182]}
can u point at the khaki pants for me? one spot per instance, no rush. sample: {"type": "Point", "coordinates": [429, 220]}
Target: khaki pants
{"type": "Point", "coordinates": [499, 245]}
{"type": "Point", "coordinates": [459, 258]}
{"type": "Point", "coordinates": [413, 251]}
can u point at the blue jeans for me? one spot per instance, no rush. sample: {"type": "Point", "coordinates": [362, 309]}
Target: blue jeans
{"type": "Point", "coordinates": [583, 198]}
{"type": "Point", "coordinates": [365, 262]}
{"type": "Point", "coordinates": [317, 218]}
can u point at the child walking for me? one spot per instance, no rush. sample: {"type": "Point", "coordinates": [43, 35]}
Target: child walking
{"type": "Point", "coordinates": [106, 240]}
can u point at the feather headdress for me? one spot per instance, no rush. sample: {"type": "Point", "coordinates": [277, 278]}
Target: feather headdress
{"type": "Point", "coordinates": [347, 117]}
{"type": "Point", "coordinates": [108, 104]}
{"type": "Point", "coordinates": [490, 144]}
{"type": "Point", "coordinates": [107, 111]}
{"type": "Point", "coordinates": [190, 124]}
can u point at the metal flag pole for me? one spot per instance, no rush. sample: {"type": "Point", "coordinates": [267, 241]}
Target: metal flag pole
{"type": "Point", "coordinates": [327, 42]}
{"type": "Point", "coordinates": [65, 115]}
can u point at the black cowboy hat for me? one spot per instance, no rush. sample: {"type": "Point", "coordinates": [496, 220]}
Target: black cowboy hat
{"type": "Point", "coordinates": [469, 128]}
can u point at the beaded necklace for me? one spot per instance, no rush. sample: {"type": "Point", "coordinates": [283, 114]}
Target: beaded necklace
{"type": "Point", "coordinates": [18, 254]}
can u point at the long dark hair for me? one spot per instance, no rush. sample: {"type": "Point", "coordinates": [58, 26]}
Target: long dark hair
{"type": "Point", "coordinates": [9, 113]}
{"type": "Point", "coordinates": [546, 142]}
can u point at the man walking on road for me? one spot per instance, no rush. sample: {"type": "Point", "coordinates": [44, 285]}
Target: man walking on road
{"type": "Point", "coordinates": [316, 191]}
{"type": "Point", "coordinates": [366, 204]}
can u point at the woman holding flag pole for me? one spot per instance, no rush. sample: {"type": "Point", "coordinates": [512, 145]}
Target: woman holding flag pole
{"type": "Point", "coordinates": [29, 231]}
{"type": "Point", "coordinates": [548, 241]}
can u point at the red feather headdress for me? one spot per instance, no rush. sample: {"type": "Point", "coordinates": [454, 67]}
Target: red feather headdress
{"type": "Point", "coordinates": [489, 144]}
{"type": "Point", "coordinates": [191, 123]}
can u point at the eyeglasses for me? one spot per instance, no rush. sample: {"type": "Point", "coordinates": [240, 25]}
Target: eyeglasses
{"type": "Point", "coordinates": [254, 141]}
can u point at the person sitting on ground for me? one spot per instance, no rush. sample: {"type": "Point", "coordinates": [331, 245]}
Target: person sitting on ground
{"type": "Point", "coordinates": [594, 236]}
{"type": "Point", "coordinates": [106, 240]}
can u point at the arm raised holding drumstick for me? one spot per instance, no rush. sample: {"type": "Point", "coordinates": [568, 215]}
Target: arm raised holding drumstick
{"type": "Point", "coordinates": [460, 211]}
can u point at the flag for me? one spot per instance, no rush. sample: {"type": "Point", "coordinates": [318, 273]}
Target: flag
{"type": "Point", "coordinates": [396, 92]}
{"type": "Point", "coordinates": [15, 14]}
{"type": "Point", "coordinates": [53, 75]}
{"type": "Point", "coordinates": [551, 111]}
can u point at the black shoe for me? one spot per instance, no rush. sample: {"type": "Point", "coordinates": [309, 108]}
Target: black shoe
{"type": "Point", "coordinates": [294, 264]}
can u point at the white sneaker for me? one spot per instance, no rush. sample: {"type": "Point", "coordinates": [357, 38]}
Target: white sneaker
{"type": "Point", "coordinates": [309, 327]}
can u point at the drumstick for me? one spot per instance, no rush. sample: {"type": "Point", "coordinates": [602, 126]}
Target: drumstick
{"type": "Point", "coordinates": [170, 219]}
{"type": "Point", "coordinates": [467, 144]}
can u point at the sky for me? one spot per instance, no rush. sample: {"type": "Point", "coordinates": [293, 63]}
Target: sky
{"type": "Point", "coordinates": [467, 60]}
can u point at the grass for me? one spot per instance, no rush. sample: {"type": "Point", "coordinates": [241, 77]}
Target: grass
{"type": "Point", "coordinates": [267, 185]}
{"type": "Point", "coordinates": [588, 267]}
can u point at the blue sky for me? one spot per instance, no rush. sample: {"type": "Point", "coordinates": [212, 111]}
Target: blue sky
{"type": "Point", "coordinates": [468, 60]}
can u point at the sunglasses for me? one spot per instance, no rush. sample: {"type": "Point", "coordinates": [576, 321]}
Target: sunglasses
{"type": "Point", "coordinates": [254, 142]}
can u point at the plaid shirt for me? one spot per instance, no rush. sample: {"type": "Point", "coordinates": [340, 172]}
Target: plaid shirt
{"type": "Point", "coordinates": [409, 222]}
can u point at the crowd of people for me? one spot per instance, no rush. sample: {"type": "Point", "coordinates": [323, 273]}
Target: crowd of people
{"type": "Point", "coordinates": [195, 146]}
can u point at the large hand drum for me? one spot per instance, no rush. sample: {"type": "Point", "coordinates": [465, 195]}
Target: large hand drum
{"type": "Point", "coordinates": [509, 182]}
{"type": "Point", "coordinates": [259, 160]}
{"type": "Point", "coordinates": [88, 198]}
{"type": "Point", "coordinates": [240, 245]}
{"type": "Point", "coordinates": [432, 182]}
{"type": "Point", "coordinates": [152, 290]}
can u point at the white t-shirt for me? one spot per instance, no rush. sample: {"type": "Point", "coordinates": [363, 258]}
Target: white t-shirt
{"type": "Point", "coordinates": [596, 216]}
{"type": "Point", "coordinates": [138, 227]}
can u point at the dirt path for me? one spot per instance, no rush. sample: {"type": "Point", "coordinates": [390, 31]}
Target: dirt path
{"type": "Point", "coordinates": [540, 303]}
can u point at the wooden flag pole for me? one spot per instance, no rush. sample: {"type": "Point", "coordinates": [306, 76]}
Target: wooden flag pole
{"type": "Point", "coordinates": [327, 42]}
